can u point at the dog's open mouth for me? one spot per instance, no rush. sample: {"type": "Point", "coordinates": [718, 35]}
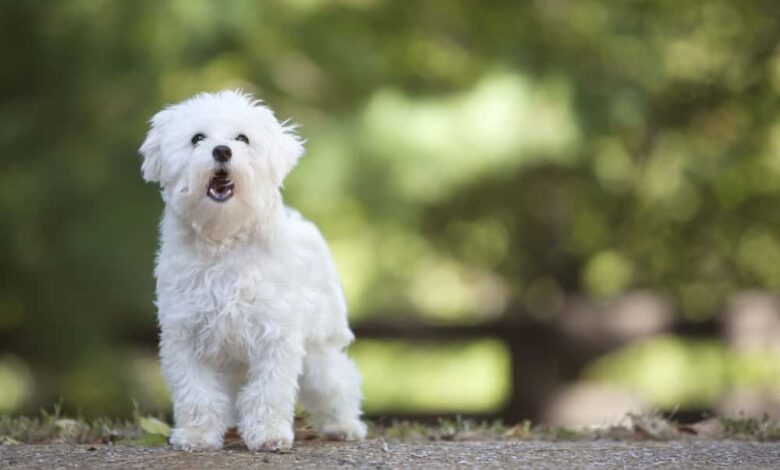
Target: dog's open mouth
{"type": "Point", "coordinates": [220, 186]}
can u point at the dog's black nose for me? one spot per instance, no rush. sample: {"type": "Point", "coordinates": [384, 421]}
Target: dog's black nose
{"type": "Point", "coordinates": [222, 153]}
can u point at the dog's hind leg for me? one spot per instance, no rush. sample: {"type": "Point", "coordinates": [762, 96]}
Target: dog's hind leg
{"type": "Point", "coordinates": [330, 393]}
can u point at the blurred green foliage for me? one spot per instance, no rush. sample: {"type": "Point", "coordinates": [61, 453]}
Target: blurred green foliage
{"type": "Point", "coordinates": [470, 377]}
{"type": "Point", "coordinates": [462, 155]}
{"type": "Point", "coordinates": [693, 374]}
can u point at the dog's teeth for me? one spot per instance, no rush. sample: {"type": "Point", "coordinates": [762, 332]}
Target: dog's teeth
{"type": "Point", "coordinates": [220, 187]}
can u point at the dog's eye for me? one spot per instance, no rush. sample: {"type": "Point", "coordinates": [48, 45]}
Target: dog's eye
{"type": "Point", "coordinates": [242, 138]}
{"type": "Point", "coordinates": [197, 138]}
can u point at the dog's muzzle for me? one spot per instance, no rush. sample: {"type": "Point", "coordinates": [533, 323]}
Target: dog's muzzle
{"type": "Point", "coordinates": [220, 186]}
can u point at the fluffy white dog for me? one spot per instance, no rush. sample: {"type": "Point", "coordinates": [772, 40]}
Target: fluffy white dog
{"type": "Point", "coordinates": [249, 301]}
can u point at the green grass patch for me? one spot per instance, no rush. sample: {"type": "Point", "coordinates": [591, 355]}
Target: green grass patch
{"type": "Point", "coordinates": [52, 427]}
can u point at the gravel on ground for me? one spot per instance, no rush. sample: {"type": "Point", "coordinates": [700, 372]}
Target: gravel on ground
{"type": "Point", "coordinates": [382, 454]}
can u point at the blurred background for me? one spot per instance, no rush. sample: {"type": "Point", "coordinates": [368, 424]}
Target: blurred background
{"type": "Point", "coordinates": [556, 209]}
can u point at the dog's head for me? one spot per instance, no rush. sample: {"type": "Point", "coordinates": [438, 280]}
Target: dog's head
{"type": "Point", "coordinates": [219, 159]}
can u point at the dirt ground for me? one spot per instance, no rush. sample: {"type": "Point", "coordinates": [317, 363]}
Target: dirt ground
{"type": "Point", "coordinates": [380, 454]}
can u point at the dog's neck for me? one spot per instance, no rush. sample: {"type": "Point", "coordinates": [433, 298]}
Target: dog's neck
{"type": "Point", "coordinates": [253, 224]}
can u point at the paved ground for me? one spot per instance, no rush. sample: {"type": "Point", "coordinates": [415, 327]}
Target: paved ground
{"type": "Point", "coordinates": [380, 454]}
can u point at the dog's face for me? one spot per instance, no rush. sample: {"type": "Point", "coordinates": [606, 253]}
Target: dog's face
{"type": "Point", "coordinates": [219, 159]}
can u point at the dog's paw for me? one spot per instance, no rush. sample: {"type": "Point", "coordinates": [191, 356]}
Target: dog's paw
{"type": "Point", "coordinates": [195, 439]}
{"type": "Point", "coordinates": [272, 446]}
{"type": "Point", "coordinates": [350, 430]}
{"type": "Point", "coordinates": [262, 438]}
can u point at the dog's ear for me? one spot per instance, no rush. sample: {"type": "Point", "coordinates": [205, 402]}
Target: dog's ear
{"type": "Point", "coordinates": [289, 149]}
{"type": "Point", "coordinates": [285, 149]}
{"type": "Point", "coordinates": [151, 150]}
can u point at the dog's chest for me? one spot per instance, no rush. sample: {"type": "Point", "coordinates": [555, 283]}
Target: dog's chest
{"type": "Point", "coordinates": [226, 315]}
{"type": "Point", "coordinates": [235, 303]}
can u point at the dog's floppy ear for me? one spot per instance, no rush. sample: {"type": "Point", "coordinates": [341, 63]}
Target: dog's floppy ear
{"type": "Point", "coordinates": [151, 150]}
{"type": "Point", "coordinates": [285, 148]}
{"type": "Point", "coordinates": [289, 149]}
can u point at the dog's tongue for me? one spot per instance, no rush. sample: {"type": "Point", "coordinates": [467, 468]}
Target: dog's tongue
{"type": "Point", "coordinates": [220, 187]}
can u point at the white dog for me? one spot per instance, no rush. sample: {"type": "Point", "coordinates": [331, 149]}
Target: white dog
{"type": "Point", "coordinates": [250, 304]}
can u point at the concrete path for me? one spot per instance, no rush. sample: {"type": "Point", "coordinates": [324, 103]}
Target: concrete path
{"type": "Point", "coordinates": [380, 454]}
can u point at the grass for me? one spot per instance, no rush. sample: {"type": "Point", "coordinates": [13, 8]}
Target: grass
{"type": "Point", "coordinates": [645, 426]}
{"type": "Point", "coordinates": [49, 427]}
{"type": "Point", "coordinates": [52, 427]}
{"type": "Point", "coordinates": [763, 429]}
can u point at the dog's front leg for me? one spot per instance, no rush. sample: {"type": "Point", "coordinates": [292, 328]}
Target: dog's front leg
{"type": "Point", "coordinates": [200, 400]}
{"type": "Point", "coordinates": [267, 403]}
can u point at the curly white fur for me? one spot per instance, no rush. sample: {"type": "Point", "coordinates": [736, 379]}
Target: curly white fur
{"type": "Point", "coordinates": [249, 302]}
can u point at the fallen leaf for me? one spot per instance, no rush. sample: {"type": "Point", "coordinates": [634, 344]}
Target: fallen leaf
{"type": "Point", "coordinates": [518, 431]}
{"type": "Point", "coordinates": [152, 425]}
{"type": "Point", "coordinates": [8, 441]}
{"type": "Point", "coordinates": [66, 425]}
{"type": "Point", "coordinates": [653, 427]}
{"type": "Point", "coordinates": [69, 428]}
{"type": "Point", "coordinates": [711, 428]}
{"type": "Point", "coordinates": [305, 433]}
